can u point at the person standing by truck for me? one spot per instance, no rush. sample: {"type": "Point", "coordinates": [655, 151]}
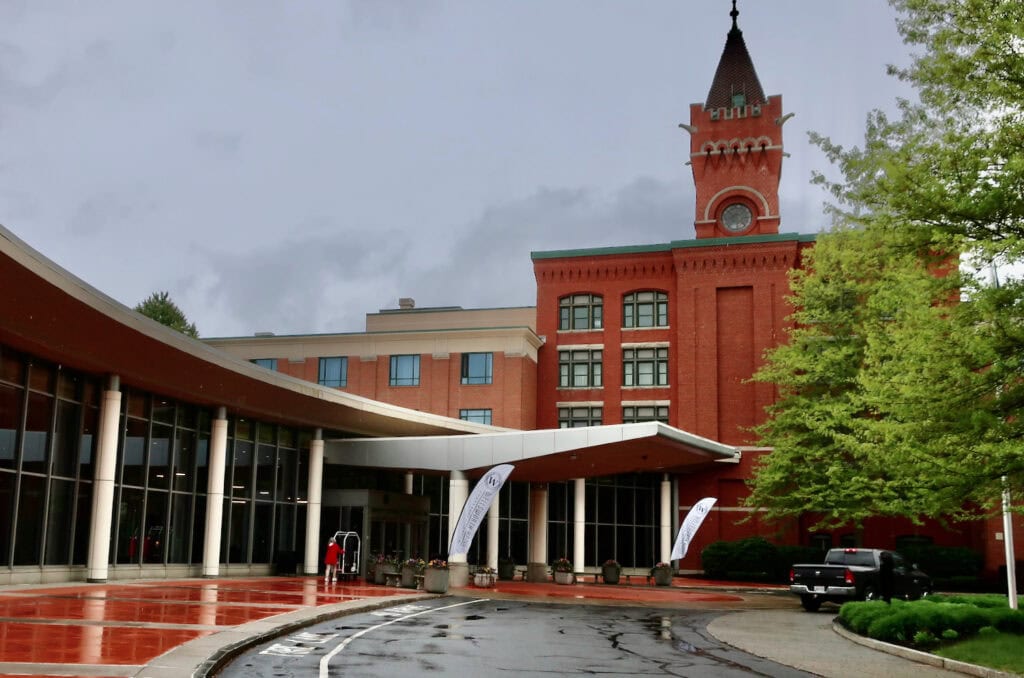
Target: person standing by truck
{"type": "Point", "coordinates": [885, 574]}
{"type": "Point", "coordinates": [331, 561]}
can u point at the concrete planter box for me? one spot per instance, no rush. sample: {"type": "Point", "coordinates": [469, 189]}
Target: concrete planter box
{"type": "Point", "coordinates": [435, 580]}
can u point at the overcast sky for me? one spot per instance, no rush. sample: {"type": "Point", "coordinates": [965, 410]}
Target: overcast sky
{"type": "Point", "coordinates": [290, 166]}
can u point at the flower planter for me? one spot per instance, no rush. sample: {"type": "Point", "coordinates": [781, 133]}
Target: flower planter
{"type": "Point", "coordinates": [435, 580]}
{"type": "Point", "coordinates": [563, 577]}
{"type": "Point", "coordinates": [484, 580]}
{"type": "Point", "coordinates": [378, 575]}
{"type": "Point", "coordinates": [662, 577]}
{"type": "Point", "coordinates": [408, 577]}
{"type": "Point", "coordinates": [610, 575]}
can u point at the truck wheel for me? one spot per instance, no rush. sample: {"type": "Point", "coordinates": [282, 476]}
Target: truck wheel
{"type": "Point", "coordinates": [870, 593]}
{"type": "Point", "coordinates": [810, 603]}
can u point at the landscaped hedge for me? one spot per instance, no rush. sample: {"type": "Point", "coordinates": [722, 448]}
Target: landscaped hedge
{"type": "Point", "coordinates": [927, 622]}
{"type": "Point", "coordinates": [754, 559]}
{"type": "Point", "coordinates": [951, 568]}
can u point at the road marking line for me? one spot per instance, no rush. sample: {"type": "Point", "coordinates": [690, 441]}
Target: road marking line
{"type": "Point", "coordinates": [326, 659]}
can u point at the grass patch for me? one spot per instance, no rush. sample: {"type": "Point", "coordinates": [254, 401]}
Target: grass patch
{"type": "Point", "coordinates": [1003, 651]}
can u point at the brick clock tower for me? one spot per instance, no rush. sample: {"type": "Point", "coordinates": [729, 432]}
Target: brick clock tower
{"type": "Point", "coordinates": [736, 148]}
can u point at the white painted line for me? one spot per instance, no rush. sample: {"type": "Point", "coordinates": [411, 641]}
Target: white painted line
{"type": "Point", "coordinates": [326, 659]}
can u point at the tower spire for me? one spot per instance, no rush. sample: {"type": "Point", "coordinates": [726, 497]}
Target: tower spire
{"type": "Point", "coordinates": [735, 74]}
{"type": "Point", "coordinates": [734, 13]}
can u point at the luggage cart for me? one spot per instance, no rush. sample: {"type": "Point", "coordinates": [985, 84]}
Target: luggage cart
{"type": "Point", "coordinates": [349, 567]}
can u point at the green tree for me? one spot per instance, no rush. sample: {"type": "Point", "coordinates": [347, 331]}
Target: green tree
{"type": "Point", "coordinates": [160, 308]}
{"type": "Point", "coordinates": [900, 400]}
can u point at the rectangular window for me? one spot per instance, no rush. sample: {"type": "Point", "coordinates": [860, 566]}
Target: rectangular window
{"type": "Point", "coordinates": [269, 363]}
{"type": "Point", "coordinates": [645, 367]}
{"type": "Point", "coordinates": [576, 417]}
{"type": "Point", "coordinates": [477, 368]}
{"type": "Point", "coordinates": [579, 368]}
{"type": "Point", "coordinates": [405, 370]}
{"type": "Point", "coordinates": [333, 372]}
{"type": "Point", "coordinates": [645, 309]}
{"type": "Point", "coordinates": [632, 414]}
{"type": "Point", "coordinates": [478, 416]}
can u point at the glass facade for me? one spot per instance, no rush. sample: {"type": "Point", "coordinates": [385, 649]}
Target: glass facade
{"type": "Point", "coordinates": [49, 419]}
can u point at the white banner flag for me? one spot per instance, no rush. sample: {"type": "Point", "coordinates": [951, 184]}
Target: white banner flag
{"type": "Point", "coordinates": [476, 508]}
{"type": "Point", "coordinates": [690, 525]}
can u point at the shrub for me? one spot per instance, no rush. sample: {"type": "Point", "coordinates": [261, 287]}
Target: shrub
{"type": "Point", "coordinates": [950, 635]}
{"type": "Point", "coordinates": [754, 558]}
{"type": "Point", "coordinates": [925, 639]}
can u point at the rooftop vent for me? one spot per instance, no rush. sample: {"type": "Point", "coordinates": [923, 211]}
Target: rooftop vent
{"type": "Point", "coordinates": [406, 303]}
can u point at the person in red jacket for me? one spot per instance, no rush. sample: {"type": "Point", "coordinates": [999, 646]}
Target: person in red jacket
{"type": "Point", "coordinates": [331, 561]}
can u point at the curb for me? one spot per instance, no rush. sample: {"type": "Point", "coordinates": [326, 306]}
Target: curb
{"type": "Point", "coordinates": [921, 657]}
{"type": "Point", "coordinates": [204, 656]}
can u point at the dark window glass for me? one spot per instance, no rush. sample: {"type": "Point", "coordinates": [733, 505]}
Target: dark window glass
{"type": "Point", "coordinates": [333, 372]}
{"type": "Point", "coordinates": [29, 528]}
{"type": "Point", "coordinates": [136, 403]}
{"type": "Point", "coordinates": [238, 539]}
{"type": "Point", "coordinates": [134, 457]}
{"type": "Point", "coordinates": [160, 457]}
{"type": "Point", "coordinates": [83, 519]}
{"type": "Point", "coordinates": [198, 529]}
{"type": "Point", "coordinates": [405, 370]}
{"type": "Point", "coordinates": [632, 414]}
{"type": "Point", "coordinates": [156, 527]}
{"type": "Point", "coordinates": [181, 521]}
{"type": "Point", "coordinates": [66, 439]}
{"type": "Point", "coordinates": [477, 368]}
{"type": "Point", "coordinates": [263, 532]}
{"type": "Point", "coordinates": [266, 468]}
{"type": "Point", "coordinates": [286, 471]}
{"type": "Point", "coordinates": [268, 363]}
{"type": "Point", "coordinates": [12, 366]}
{"type": "Point", "coordinates": [186, 416]}
{"type": "Point", "coordinates": [163, 411]}
{"type": "Point", "coordinates": [10, 422]}
{"type": "Point", "coordinates": [202, 462]}
{"type": "Point", "coordinates": [129, 525]}
{"type": "Point", "coordinates": [87, 444]}
{"type": "Point", "coordinates": [266, 433]}
{"type": "Point", "coordinates": [36, 445]}
{"type": "Point", "coordinates": [241, 476]}
{"type": "Point", "coordinates": [184, 461]}
{"type": "Point", "coordinates": [42, 377]}
{"type": "Point", "coordinates": [302, 484]}
{"type": "Point", "coordinates": [6, 510]}
{"type": "Point", "coordinates": [59, 522]}
{"type": "Point", "coordinates": [478, 416]}
{"type": "Point", "coordinates": [284, 525]}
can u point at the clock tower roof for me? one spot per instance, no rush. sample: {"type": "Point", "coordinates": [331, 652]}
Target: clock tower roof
{"type": "Point", "coordinates": [735, 74]}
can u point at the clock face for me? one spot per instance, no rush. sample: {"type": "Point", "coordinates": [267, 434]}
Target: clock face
{"type": "Point", "coordinates": [737, 217]}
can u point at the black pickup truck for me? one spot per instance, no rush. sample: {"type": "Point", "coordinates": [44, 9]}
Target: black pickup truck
{"type": "Point", "coordinates": [853, 574]}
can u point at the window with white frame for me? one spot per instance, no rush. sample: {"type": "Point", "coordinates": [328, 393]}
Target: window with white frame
{"type": "Point", "coordinates": [578, 416]}
{"type": "Point", "coordinates": [645, 309]}
{"type": "Point", "coordinates": [405, 370]}
{"type": "Point", "coordinates": [333, 372]}
{"type": "Point", "coordinates": [645, 366]}
{"type": "Point", "coordinates": [632, 414]}
{"type": "Point", "coordinates": [477, 368]}
{"type": "Point", "coordinates": [580, 312]}
{"type": "Point", "coordinates": [480, 416]}
{"type": "Point", "coordinates": [579, 368]}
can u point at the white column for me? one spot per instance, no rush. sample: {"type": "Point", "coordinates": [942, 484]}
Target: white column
{"type": "Point", "coordinates": [215, 494]}
{"type": "Point", "coordinates": [314, 497]}
{"type": "Point", "coordinates": [103, 483]}
{"type": "Point", "coordinates": [458, 492]}
{"type": "Point", "coordinates": [537, 565]}
{"type": "Point", "coordinates": [408, 483]}
{"type": "Point", "coordinates": [579, 516]}
{"type": "Point", "coordinates": [666, 519]}
{"type": "Point", "coordinates": [493, 525]}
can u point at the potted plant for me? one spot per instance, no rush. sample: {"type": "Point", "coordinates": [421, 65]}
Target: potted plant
{"type": "Point", "coordinates": [610, 571]}
{"type": "Point", "coordinates": [662, 573]}
{"type": "Point", "coordinates": [378, 567]}
{"type": "Point", "coordinates": [563, 571]}
{"type": "Point", "coordinates": [411, 568]}
{"type": "Point", "coordinates": [506, 569]}
{"type": "Point", "coordinates": [484, 576]}
{"type": "Point", "coordinates": [435, 577]}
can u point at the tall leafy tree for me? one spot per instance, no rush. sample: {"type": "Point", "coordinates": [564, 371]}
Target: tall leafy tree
{"type": "Point", "coordinates": [160, 308]}
{"type": "Point", "coordinates": [904, 401]}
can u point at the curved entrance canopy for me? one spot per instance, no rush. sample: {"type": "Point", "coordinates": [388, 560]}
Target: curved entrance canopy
{"type": "Point", "coordinates": [540, 456]}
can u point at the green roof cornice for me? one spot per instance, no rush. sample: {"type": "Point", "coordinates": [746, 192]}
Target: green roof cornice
{"type": "Point", "coordinates": [674, 245]}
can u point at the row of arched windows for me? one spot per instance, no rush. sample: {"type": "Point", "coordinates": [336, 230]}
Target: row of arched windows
{"type": "Point", "coordinates": [639, 309]}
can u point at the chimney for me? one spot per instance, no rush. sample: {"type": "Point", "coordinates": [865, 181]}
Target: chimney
{"type": "Point", "coordinates": [406, 303]}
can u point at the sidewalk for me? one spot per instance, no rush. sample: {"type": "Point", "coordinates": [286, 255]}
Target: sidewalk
{"type": "Point", "coordinates": [165, 628]}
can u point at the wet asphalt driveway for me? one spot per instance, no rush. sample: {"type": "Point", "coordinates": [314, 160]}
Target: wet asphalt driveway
{"type": "Point", "coordinates": [479, 637]}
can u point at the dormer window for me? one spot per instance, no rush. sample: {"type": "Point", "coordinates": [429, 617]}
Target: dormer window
{"type": "Point", "coordinates": [739, 100]}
